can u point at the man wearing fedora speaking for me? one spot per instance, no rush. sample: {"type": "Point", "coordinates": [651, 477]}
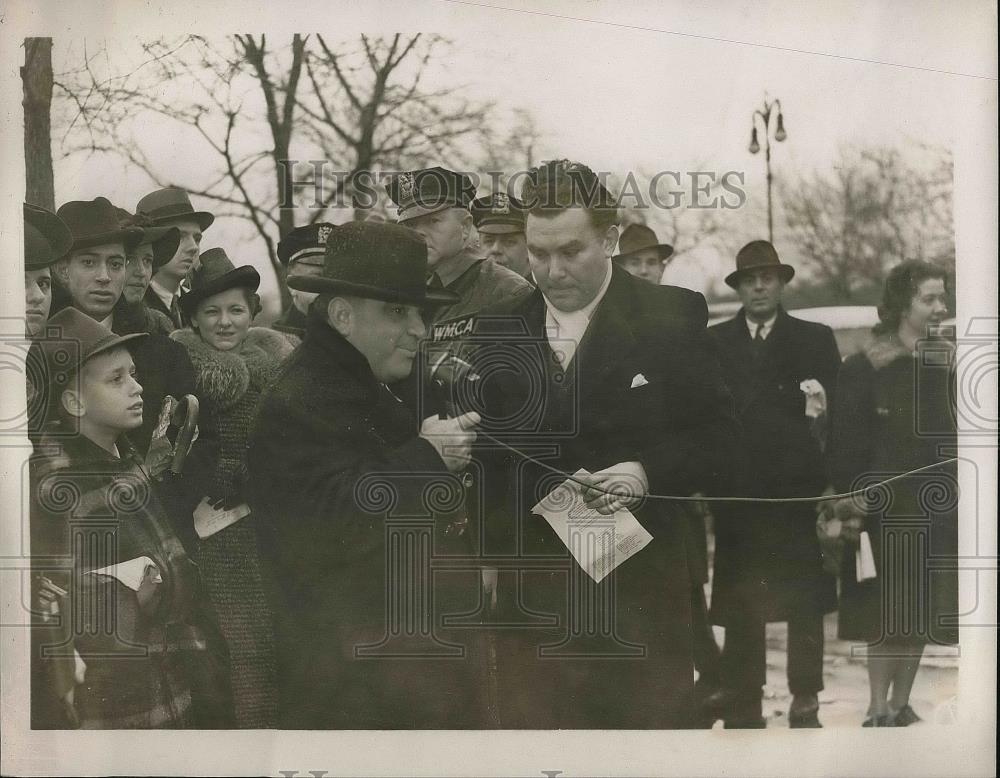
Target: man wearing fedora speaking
{"type": "Point", "coordinates": [172, 207]}
{"type": "Point", "coordinates": [641, 254]}
{"type": "Point", "coordinates": [301, 251]}
{"type": "Point", "coordinates": [499, 219]}
{"type": "Point", "coordinates": [328, 435]}
{"type": "Point", "coordinates": [93, 276]}
{"type": "Point", "coordinates": [435, 202]}
{"type": "Point", "coordinates": [768, 565]}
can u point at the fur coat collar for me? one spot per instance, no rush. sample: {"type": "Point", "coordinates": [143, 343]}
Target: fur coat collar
{"type": "Point", "coordinates": [882, 350]}
{"type": "Point", "coordinates": [224, 377]}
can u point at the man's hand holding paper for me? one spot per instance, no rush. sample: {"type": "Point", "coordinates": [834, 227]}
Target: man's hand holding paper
{"type": "Point", "coordinates": [614, 488]}
{"type": "Point", "coordinates": [597, 543]}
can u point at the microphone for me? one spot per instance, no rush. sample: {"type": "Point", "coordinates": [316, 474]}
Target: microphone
{"type": "Point", "coordinates": [450, 376]}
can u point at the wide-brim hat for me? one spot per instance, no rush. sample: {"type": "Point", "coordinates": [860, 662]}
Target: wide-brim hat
{"type": "Point", "coordinates": [498, 214]}
{"type": "Point", "coordinates": [72, 338]}
{"type": "Point", "coordinates": [46, 238]}
{"type": "Point", "coordinates": [172, 204]}
{"type": "Point", "coordinates": [217, 274]}
{"type": "Point", "coordinates": [95, 223]}
{"type": "Point", "coordinates": [639, 237]}
{"type": "Point", "coordinates": [376, 261]}
{"type": "Point", "coordinates": [164, 240]}
{"type": "Point", "coordinates": [423, 192]}
{"type": "Point", "coordinates": [758, 254]}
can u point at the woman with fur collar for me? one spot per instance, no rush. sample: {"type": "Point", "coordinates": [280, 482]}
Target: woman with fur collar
{"type": "Point", "coordinates": [233, 362]}
{"type": "Point", "coordinates": [894, 413]}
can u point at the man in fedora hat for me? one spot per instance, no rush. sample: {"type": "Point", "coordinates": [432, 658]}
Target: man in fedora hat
{"type": "Point", "coordinates": [46, 240]}
{"type": "Point", "coordinates": [499, 219]}
{"type": "Point", "coordinates": [158, 246]}
{"type": "Point", "coordinates": [768, 565]}
{"type": "Point", "coordinates": [642, 254]}
{"type": "Point", "coordinates": [93, 276]}
{"type": "Point", "coordinates": [329, 430]}
{"type": "Point", "coordinates": [301, 251]}
{"type": "Point", "coordinates": [172, 207]}
{"type": "Point", "coordinates": [435, 202]}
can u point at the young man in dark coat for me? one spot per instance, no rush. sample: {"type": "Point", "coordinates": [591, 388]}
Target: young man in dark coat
{"type": "Point", "coordinates": [595, 370]}
{"type": "Point", "coordinates": [768, 565]}
{"type": "Point", "coordinates": [340, 474]}
{"type": "Point", "coordinates": [93, 276]}
{"type": "Point", "coordinates": [171, 207]}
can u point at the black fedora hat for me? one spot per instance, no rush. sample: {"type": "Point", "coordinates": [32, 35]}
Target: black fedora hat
{"type": "Point", "coordinates": [172, 204]}
{"type": "Point", "coordinates": [377, 261]}
{"type": "Point", "coordinates": [755, 255]}
{"type": "Point", "coordinates": [215, 274]}
{"type": "Point", "coordinates": [163, 240]}
{"type": "Point", "coordinates": [95, 223]}
{"type": "Point", "coordinates": [638, 237]}
{"type": "Point", "coordinates": [46, 238]}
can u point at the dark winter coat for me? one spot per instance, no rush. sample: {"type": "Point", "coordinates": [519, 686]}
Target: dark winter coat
{"type": "Point", "coordinates": [767, 556]}
{"type": "Point", "coordinates": [335, 468]}
{"type": "Point", "coordinates": [164, 666]}
{"type": "Point", "coordinates": [895, 412]}
{"type": "Point", "coordinates": [229, 385]}
{"type": "Point", "coordinates": [621, 657]}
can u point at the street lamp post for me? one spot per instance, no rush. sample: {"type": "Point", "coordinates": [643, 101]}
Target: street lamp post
{"type": "Point", "coordinates": [779, 135]}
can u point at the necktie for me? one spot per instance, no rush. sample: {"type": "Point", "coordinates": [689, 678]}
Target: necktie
{"type": "Point", "coordinates": [175, 313]}
{"type": "Point", "coordinates": [434, 282]}
{"type": "Point", "coordinates": [757, 344]}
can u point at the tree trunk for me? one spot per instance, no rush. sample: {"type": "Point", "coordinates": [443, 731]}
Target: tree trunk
{"type": "Point", "coordinates": [37, 78]}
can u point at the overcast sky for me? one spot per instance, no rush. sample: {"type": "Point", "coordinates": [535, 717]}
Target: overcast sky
{"type": "Point", "coordinates": [635, 94]}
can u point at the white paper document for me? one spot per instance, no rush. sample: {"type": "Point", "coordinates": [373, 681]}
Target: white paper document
{"type": "Point", "coordinates": [598, 543]}
{"type": "Point", "coordinates": [209, 520]}
{"type": "Point", "coordinates": [129, 573]}
{"type": "Point", "coordinates": [864, 559]}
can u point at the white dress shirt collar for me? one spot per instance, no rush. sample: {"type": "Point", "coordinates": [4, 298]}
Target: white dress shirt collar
{"type": "Point", "coordinates": [765, 328]}
{"type": "Point", "coordinates": [569, 327]}
{"type": "Point", "coordinates": [164, 294]}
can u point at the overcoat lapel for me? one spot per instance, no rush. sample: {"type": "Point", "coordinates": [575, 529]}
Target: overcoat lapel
{"type": "Point", "coordinates": [609, 338]}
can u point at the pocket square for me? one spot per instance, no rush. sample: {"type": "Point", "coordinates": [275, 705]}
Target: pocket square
{"type": "Point", "coordinates": [638, 380]}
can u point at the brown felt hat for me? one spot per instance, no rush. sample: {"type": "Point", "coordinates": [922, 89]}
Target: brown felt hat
{"type": "Point", "coordinates": [755, 255]}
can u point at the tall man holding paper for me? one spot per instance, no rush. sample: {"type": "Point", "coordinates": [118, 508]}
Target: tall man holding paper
{"type": "Point", "coordinates": [595, 371]}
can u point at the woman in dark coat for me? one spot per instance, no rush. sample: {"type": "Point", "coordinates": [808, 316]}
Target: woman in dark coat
{"type": "Point", "coordinates": [233, 362]}
{"type": "Point", "coordinates": [895, 413]}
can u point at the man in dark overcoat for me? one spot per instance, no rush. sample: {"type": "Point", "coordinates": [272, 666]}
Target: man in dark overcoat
{"type": "Point", "coordinates": [768, 564]}
{"type": "Point", "coordinates": [601, 371]}
{"type": "Point", "coordinates": [348, 489]}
